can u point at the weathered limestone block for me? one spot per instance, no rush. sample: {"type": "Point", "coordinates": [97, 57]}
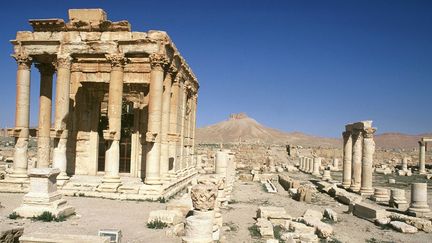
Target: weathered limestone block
{"type": "Point", "coordinates": [170, 217]}
{"type": "Point", "coordinates": [369, 211]}
{"type": "Point", "coordinates": [324, 186]}
{"type": "Point", "coordinates": [323, 230]}
{"type": "Point", "coordinates": [301, 228]}
{"type": "Point", "coordinates": [272, 241]}
{"type": "Point", "coordinates": [421, 224]}
{"type": "Point", "coordinates": [304, 194]}
{"type": "Point", "coordinates": [330, 214]}
{"type": "Point", "coordinates": [381, 195]}
{"type": "Point", "coordinates": [403, 227]}
{"type": "Point", "coordinates": [62, 238]}
{"type": "Point", "coordinates": [10, 234]}
{"type": "Point", "coordinates": [176, 230]}
{"type": "Point", "coordinates": [204, 197]}
{"type": "Point", "coordinates": [270, 212]}
{"type": "Point", "coordinates": [286, 182]}
{"type": "Point", "coordinates": [265, 228]}
{"type": "Point", "coordinates": [43, 195]}
{"type": "Point", "coordinates": [310, 238]}
{"type": "Point", "coordinates": [344, 196]}
{"type": "Point", "coordinates": [198, 230]}
{"type": "Point", "coordinates": [87, 15]}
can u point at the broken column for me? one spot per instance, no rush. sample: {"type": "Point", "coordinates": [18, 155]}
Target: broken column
{"type": "Point", "coordinates": [43, 195]}
{"type": "Point", "coordinates": [381, 195]}
{"type": "Point", "coordinates": [419, 206]}
{"type": "Point", "coordinates": [316, 166]}
{"type": "Point", "coordinates": [221, 162]}
{"type": "Point", "coordinates": [405, 164]}
{"type": "Point", "coordinates": [347, 158]}
{"type": "Point", "coordinates": [398, 199]}
{"type": "Point", "coordinates": [22, 117]}
{"type": "Point", "coordinates": [199, 226]}
{"type": "Point", "coordinates": [326, 175]}
{"type": "Point", "coordinates": [60, 130]}
{"type": "Point", "coordinates": [422, 157]}
{"type": "Point", "coordinates": [367, 161]}
{"type": "Point", "coordinates": [356, 160]}
{"type": "Point", "coordinates": [45, 105]}
{"type": "Point", "coordinates": [335, 164]}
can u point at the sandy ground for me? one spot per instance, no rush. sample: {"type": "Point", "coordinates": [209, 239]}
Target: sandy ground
{"type": "Point", "coordinates": [93, 214]}
{"type": "Point", "coordinates": [248, 196]}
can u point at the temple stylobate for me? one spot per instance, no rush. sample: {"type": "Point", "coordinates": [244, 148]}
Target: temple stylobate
{"type": "Point", "coordinates": [124, 107]}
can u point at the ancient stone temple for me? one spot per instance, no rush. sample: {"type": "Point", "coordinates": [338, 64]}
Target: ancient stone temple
{"type": "Point", "coordinates": [124, 106]}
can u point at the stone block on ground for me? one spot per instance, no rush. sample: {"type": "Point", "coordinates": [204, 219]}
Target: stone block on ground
{"type": "Point", "coordinates": [300, 228]}
{"type": "Point", "coordinates": [170, 217]}
{"type": "Point", "coordinates": [323, 230]}
{"type": "Point", "coordinates": [304, 194]}
{"type": "Point", "coordinates": [62, 238]}
{"type": "Point", "coordinates": [270, 212]}
{"type": "Point", "coordinates": [369, 211]}
{"type": "Point", "coordinates": [403, 227]}
{"type": "Point", "coordinates": [265, 228]}
{"type": "Point", "coordinates": [420, 223]}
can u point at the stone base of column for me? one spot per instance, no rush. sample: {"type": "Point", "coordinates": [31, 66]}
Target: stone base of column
{"type": "Point", "coordinates": [62, 179]}
{"type": "Point", "coordinates": [354, 188]}
{"type": "Point", "coordinates": [153, 181]}
{"type": "Point", "coordinates": [419, 212]}
{"type": "Point", "coordinates": [346, 185]}
{"type": "Point", "coordinates": [366, 191]}
{"type": "Point", "coordinates": [422, 172]}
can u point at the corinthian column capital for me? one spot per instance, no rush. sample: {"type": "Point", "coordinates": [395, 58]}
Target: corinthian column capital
{"type": "Point", "coordinates": [63, 62]}
{"type": "Point", "coordinates": [158, 61]}
{"type": "Point", "coordinates": [23, 60]}
{"type": "Point", "coordinates": [117, 60]}
{"type": "Point", "coordinates": [369, 132]}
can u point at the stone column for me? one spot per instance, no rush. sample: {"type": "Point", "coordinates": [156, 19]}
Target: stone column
{"type": "Point", "coordinates": [367, 161]}
{"type": "Point", "coordinates": [316, 166]}
{"type": "Point", "coordinates": [166, 97]}
{"type": "Point", "coordinates": [153, 137]}
{"type": "Point", "coordinates": [336, 164]}
{"type": "Point", "coordinates": [422, 158]}
{"type": "Point", "coordinates": [419, 206]}
{"type": "Point", "coordinates": [347, 159]}
{"type": "Point", "coordinates": [113, 134]}
{"type": "Point", "coordinates": [60, 132]}
{"type": "Point", "coordinates": [193, 126]}
{"type": "Point", "coordinates": [326, 175]}
{"type": "Point", "coordinates": [183, 128]}
{"type": "Point", "coordinates": [22, 116]}
{"type": "Point", "coordinates": [173, 136]}
{"type": "Point", "coordinates": [356, 160]}
{"type": "Point", "coordinates": [45, 104]}
{"type": "Point", "coordinates": [405, 164]}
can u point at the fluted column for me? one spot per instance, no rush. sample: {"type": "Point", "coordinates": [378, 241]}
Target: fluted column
{"type": "Point", "coordinates": [113, 134]}
{"type": "Point", "coordinates": [347, 159]}
{"type": "Point", "coordinates": [45, 106]}
{"type": "Point", "coordinates": [422, 157]}
{"type": "Point", "coordinates": [182, 127]}
{"type": "Point", "coordinates": [173, 136]}
{"type": "Point", "coordinates": [60, 132]}
{"type": "Point", "coordinates": [367, 161]}
{"type": "Point", "coordinates": [22, 116]}
{"type": "Point", "coordinates": [153, 137]}
{"type": "Point", "coordinates": [356, 161]}
{"type": "Point", "coordinates": [193, 126]}
{"type": "Point", "coordinates": [165, 124]}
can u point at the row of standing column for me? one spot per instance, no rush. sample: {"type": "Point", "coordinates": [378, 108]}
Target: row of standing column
{"type": "Point", "coordinates": [358, 151]}
{"type": "Point", "coordinates": [310, 165]}
{"type": "Point", "coordinates": [45, 132]}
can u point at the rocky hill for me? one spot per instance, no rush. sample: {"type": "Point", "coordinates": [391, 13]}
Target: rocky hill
{"type": "Point", "coordinates": [240, 127]}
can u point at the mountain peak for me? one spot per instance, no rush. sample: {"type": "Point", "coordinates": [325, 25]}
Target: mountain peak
{"type": "Point", "coordinates": [237, 116]}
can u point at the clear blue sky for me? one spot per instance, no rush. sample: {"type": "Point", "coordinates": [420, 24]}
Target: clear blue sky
{"type": "Point", "coordinates": [308, 66]}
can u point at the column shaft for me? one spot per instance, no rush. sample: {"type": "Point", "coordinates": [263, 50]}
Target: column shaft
{"type": "Point", "coordinates": [166, 98]}
{"type": "Point", "coordinates": [22, 116]}
{"type": "Point", "coordinates": [61, 115]}
{"type": "Point", "coordinates": [173, 141]}
{"type": "Point", "coordinates": [356, 161]}
{"type": "Point", "coordinates": [182, 127]}
{"type": "Point", "coordinates": [45, 107]}
{"type": "Point", "coordinates": [113, 134]}
{"type": "Point", "coordinates": [153, 136]}
{"type": "Point", "coordinates": [422, 157]}
{"type": "Point", "coordinates": [367, 161]}
{"type": "Point", "coordinates": [347, 159]}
